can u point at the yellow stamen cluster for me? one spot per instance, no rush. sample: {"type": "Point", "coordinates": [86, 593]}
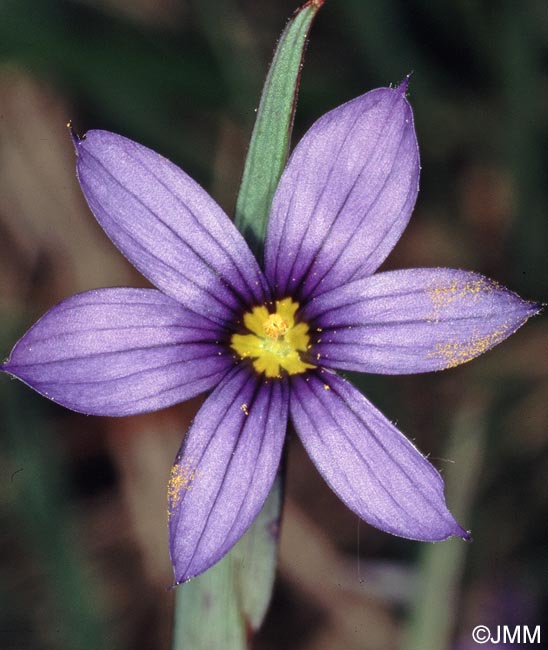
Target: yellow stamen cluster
{"type": "Point", "coordinates": [275, 341]}
{"type": "Point", "coordinates": [275, 326]}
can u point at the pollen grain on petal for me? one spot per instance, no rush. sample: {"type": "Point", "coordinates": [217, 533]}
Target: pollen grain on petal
{"type": "Point", "coordinates": [443, 295]}
{"type": "Point", "coordinates": [455, 353]}
{"type": "Point", "coordinates": [181, 478]}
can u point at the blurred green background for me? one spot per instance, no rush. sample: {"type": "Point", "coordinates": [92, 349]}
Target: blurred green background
{"type": "Point", "coordinates": [83, 544]}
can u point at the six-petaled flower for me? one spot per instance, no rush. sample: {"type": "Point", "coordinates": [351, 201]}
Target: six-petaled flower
{"type": "Point", "coordinates": [267, 341]}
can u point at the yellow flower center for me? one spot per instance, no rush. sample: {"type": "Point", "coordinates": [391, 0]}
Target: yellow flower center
{"type": "Point", "coordinates": [275, 341]}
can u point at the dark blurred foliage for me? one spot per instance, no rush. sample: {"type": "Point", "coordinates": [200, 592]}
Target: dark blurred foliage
{"type": "Point", "coordinates": [83, 548]}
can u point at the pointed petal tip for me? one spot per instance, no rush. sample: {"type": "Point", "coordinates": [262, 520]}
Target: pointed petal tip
{"type": "Point", "coordinates": [440, 531]}
{"type": "Point", "coordinates": [185, 571]}
{"type": "Point", "coordinates": [76, 139]}
{"type": "Point", "coordinates": [405, 83]}
{"type": "Point", "coordinates": [178, 583]}
{"type": "Point", "coordinates": [7, 367]}
{"type": "Point", "coordinates": [531, 309]}
{"type": "Point", "coordinates": [185, 577]}
{"type": "Point", "coordinates": [459, 531]}
{"type": "Point", "coordinates": [452, 528]}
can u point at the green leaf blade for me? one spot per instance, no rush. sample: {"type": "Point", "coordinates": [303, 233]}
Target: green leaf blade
{"type": "Point", "coordinates": [270, 140]}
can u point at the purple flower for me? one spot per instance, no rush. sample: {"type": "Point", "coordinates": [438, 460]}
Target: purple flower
{"type": "Point", "coordinates": [267, 342]}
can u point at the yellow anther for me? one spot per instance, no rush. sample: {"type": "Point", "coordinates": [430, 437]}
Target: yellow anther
{"type": "Point", "coordinates": [275, 326]}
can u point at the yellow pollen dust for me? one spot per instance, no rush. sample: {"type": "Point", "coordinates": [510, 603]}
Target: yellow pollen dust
{"type": "Point", "coordinates": [275, 341]}
{"type": "Point", "coordinates": [454, 353]}
{"type": "Point", "coordinates": [180, 480]}
{"type": "Point", "coordinates": [442, 296]}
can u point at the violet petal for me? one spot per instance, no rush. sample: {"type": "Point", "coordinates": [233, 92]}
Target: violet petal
{"type": "Point", "coordinates": [225, 469]}
{"type": "Point", "coordinates": [345, 196]}
{"type": "Point", "coordinates": [412, 321]}
{"type": "Point", "coordinates": [119, 352]}
{"type": "Point", "coordinates": [168, 226]}
{"type": "Point", "coordinates": [368, 463]}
